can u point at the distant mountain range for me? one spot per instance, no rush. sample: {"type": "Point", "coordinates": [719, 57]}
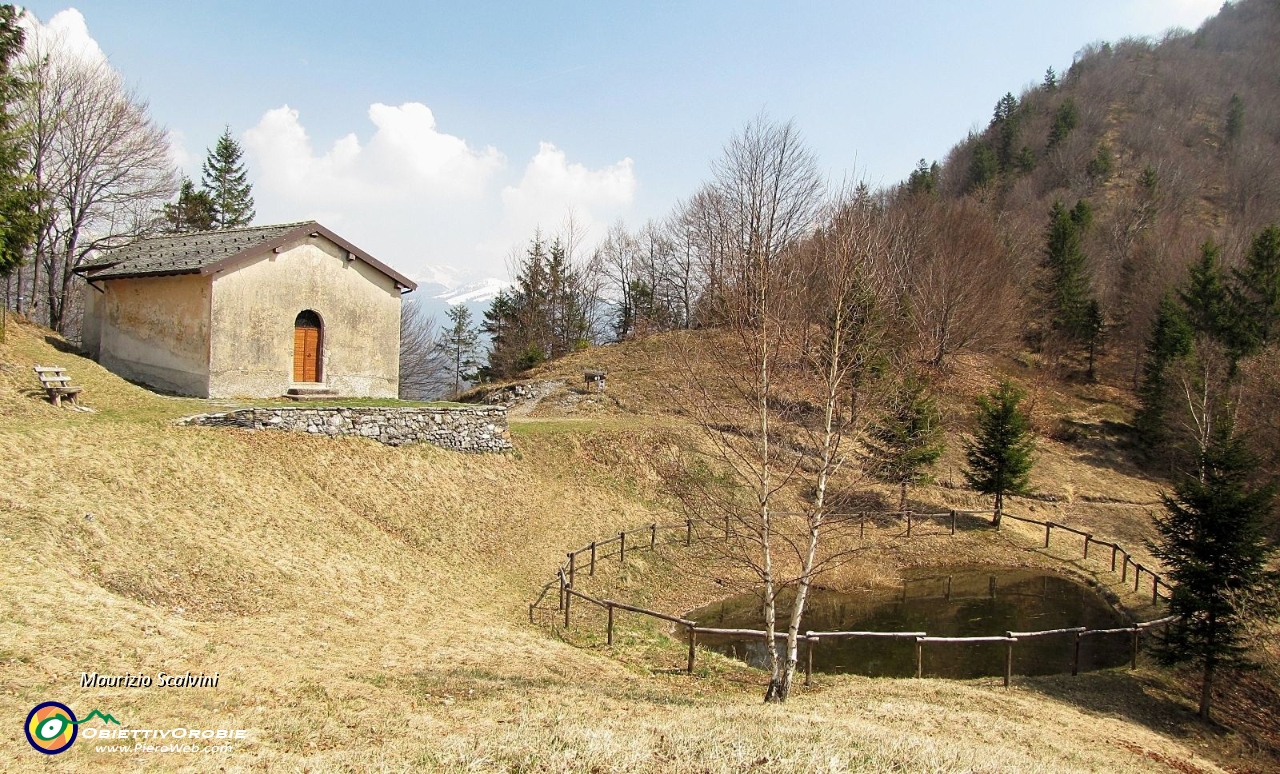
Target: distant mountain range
{"type": "Point", "coordinates": [440, 288]}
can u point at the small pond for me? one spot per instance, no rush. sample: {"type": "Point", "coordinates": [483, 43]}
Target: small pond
{"type": "Point", "coordinates": [958, 602]}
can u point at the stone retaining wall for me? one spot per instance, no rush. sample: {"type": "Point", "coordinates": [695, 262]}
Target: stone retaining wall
{"type": "Point", "coordinates": [478, 429]}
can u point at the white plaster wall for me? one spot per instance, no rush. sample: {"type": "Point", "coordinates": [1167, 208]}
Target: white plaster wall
{"type": "Point", "coordinates": [155, 330]}
{"type": "Point", "coordinates": [91, 323]}
{"type": "Point", "coordinates": [255, 305]}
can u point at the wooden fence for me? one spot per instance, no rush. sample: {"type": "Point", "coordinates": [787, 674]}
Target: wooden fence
{"type": "Point", "coordinates": [598, 551]}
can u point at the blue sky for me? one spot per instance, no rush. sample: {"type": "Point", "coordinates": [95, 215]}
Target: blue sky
{"type": "Point", "coordinates": [438, 136]}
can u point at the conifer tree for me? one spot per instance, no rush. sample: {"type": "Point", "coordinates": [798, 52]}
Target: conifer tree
{"type": "Point", "coordinates": [1169, 341]}
{"type": "Point", "coordinates": [984, 167]}
{"type": "Point", "coordinates": [1065, 119]}
{"type": "Point", "coordinates": [1235, 119]}
{"type": "Point", "coordinates": [1255, 298]}
{"type": "Point", "coordinates": [193, 211]}
{"type": "Point", "coordinates": [1050, 80]}
{"type": "Point", "coordinates": [1212, 542]}
{"type": "Point", "coordinates": [1099, 167]}
{"type": "Point", "coordinates": [1069, 296]}
{"type": "Point", "coordinates": [458, 343]}
{"type": "Point", "coordinates": [18, 194]}
{"type": "Point", "coordinates": [923, 179]}
{"type": "Point", "coordinates": [1005, 122]}
{"type": "Point", "coordinates": [226, 181]}
{"type": "Point", "coordinates": [1205, 297]}
{"type": "Point", "coordinates": [1000, 456]}
{"type": "Point", "coordinates": [906, 439]}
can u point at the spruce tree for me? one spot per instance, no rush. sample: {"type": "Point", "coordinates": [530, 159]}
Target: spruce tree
{"type": "Point", "coordinates": [18, 195]}
{"type": "Point", "coordinates": [1099, 167]}
{"type": "Point", "coordinates": [1069, 297]}
{"type": "Point", "coordinates": [458, 343]}
{"type": "Point", "coordinates": [1050, 80]}
{"type": "Point", "coordinates": [906, 439]}
{"type": "Point", "coordinates": [1170, 341]}
{"type": "Point", "coordinates": [1005, 122]}
{"type": "Point", "coordinates": [984, 167]}
{"type": "Point", "coordinates": [1212, 542]}
{"type": "Point", "coordinates": [923, 179]}
{"type": "Point", "coordinates": [1205, 297]}
{"type": "Point", "coordinates": [226, 181]}
{"type": "Point", "coordinates": [193, 211]}
{"type": "Point", "coordinates": [1235, 119]}
{"type": "Point", "coordinates": [1000, 456]}
{"type": "Point", "coordinates": [1255, 298]}
{"type": "Point", "coordinates": [1065, 119]}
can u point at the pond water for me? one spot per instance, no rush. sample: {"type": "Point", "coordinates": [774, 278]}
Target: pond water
{"type": "Point", "coordinates": [965, 602]}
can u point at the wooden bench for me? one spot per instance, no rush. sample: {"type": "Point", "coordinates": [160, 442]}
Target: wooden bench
{"type": "Point", "coordinates": [57, 384]}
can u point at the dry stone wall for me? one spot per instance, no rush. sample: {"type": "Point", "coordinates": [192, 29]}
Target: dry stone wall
{"type": "Point", "coordinates": [470, 429]}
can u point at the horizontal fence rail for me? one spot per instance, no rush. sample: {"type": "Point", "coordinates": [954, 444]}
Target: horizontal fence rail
{"type": "Point", "coordinates": [596, 551]}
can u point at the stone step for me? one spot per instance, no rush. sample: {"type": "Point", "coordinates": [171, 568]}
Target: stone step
{"type": "Point", "coordinates": [319, 392]}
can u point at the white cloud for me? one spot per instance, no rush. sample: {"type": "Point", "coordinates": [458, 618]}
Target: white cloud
{"type": "Point", "coordinates": [553, 187]}
{"type": "Point", "coordinates": [65, 30]}
{"type": "Point", "coordinates": [418, 197]}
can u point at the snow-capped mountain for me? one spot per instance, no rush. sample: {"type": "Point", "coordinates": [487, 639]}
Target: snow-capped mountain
{"type": "Point", "coordinates": [440, 287]}
{"type": "Point", "coordinates": [480, 291]}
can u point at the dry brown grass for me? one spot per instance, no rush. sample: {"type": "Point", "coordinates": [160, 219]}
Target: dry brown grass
{"type": "Point", "coordinates": [366, 609]}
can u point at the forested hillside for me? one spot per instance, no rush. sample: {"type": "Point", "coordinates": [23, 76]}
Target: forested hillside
{"type": "Point", "coordinates": [1170, 143]}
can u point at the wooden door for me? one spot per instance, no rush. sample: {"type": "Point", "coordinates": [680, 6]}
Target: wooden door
{"type": "Point", "coordinates": [306, 348]}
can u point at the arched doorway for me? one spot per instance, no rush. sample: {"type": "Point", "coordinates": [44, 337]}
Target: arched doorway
{"type": "Point", "coordinates": [307, 342]}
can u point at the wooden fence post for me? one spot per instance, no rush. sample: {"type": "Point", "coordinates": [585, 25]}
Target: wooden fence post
{"type": "Point", "coordinates": [1133, 649]}
{"type": "Point", "coordinates": [593, 559]}
{"type": "Point", "coordinates": [688, 532]}
{"type": "Point", "coordinates": [953, 521]}
{"type": "Point", "coordinates": [808, 665]}
{"type": "Point", "coordinates": [560, 605]}
{"type": "Point", "coordinates": [567, 600]}
{"type": "Point", "coordinates": [862, 527]}
{"type": "Point", "coordinates": [1087, 538]}
{"type": "Point", "coordinates": [609, 630]}
{"type": "Point", "coordinates": [1075, 657]}
{"type": "Point", "coordinates": [1155, 589]}
{"type": "Point", "coordinates": [1008, 660]}
{"type": "Point", "coordinates": [919, 657]}
{"type": "Point", "coordinates": [1048, 525]}
{"type": "Point", "coordinates": [622, 547]}
{"type": "Point", "coordinates": [693, 638]}
{"type": "Point", "coordinates": [572, 564]}
{"type": "Point", "coordinates": [908, 523]}
{"type": "Point", "coordinates": [1114, 548]}
{"type": "Point", "coordinates": [1137, 576]}
{"type": "Point", "coordinates": [1124, 568]}
{"type": "Point", "coordinates": [653, 536]}
{"type": "Point", "coordinates": [948, 588]}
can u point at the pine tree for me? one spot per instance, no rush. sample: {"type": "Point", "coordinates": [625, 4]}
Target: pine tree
{"type": "Point", "coordinates": [18, 195]}
{"type": "Point", "coordinates": [1212, 542]}
{"type": "Point", "coordinates": [906, 439]}
{"type": "Point", "coordinates": [1170, 341]}
{"type": "Point", "coordinates": [458, 343]}
{"type": "Point", "coordinates": [193, 211]}
{"type": "Point", "coordinates": [1050, 80]}
{"type": "Point", "coordinates": [226, 181]}
{"type": "Point", "coordinates": [1000, 456]}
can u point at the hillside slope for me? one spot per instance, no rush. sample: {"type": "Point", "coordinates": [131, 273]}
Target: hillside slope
{"type": "Point", "coordinates": [366, 609]}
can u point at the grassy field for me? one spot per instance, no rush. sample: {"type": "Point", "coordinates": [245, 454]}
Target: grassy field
{"type": "Point", "coordinates": [365, 607]}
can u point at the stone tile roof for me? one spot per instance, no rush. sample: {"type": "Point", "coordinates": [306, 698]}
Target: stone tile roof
{"type": "Point", "coordinates": [208, 252]}
{"type": "Point", "coordinates": [182, 253]}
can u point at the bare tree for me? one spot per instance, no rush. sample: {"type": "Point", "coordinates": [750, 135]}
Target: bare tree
{"type": "Point", "coordinates": [424, 365]}
{"type": "Point", "coordinates": [101, 160]}
{"type": "Point", "coordinates": [964, 292]}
